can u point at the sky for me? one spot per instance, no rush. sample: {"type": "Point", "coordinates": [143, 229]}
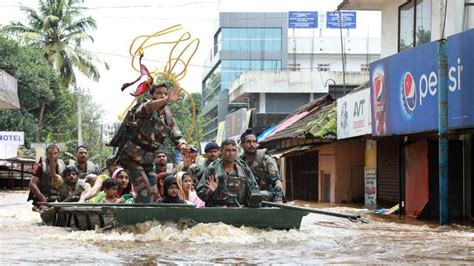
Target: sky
{"type": "Point", "coordinates": [120, 21]}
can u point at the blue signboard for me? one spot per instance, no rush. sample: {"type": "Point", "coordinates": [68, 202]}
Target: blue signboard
{"type": "Point", "coordinates": [348, 20]}
{"type": "Point", "coordinates": [404, 88]}
{"type": "Point", "coordinates": [302, 19]}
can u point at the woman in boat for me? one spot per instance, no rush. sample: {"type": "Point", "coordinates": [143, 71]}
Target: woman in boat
{"type": "Point", "coordinates": [125, 190]}
{"type": "Point", "coordinates": [189, 192]}
{"type": "Point", "coordinates": [171, 191]}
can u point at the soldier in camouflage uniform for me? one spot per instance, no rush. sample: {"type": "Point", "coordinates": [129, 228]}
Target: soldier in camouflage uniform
{"type": "Point", "coordinates": [141, 134]}
{"type": "Point", "coordinates": [228, 181]}
{"type": "Point", "coordinates": [45, 180]}
{"type": "Point", "coordinates": [263, 167]}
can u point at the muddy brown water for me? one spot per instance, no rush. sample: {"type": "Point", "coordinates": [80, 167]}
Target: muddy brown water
{"type": "Point", "coordinates": [321, 239]}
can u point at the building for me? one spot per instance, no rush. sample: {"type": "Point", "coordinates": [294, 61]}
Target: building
{"type": "Point", "coordinates": [242, 42]}
{"type": "Point", "coordinates": [407, 142]}
{"type": "Point", "coordinates": [259, 63]}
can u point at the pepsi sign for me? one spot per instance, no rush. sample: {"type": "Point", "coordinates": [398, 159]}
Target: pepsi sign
{"type": "Point", "coordinates": [404, 88]}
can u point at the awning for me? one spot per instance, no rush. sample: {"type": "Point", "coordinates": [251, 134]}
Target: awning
{"type": "Point", "coordinates": [265, 133]}
{"type": "Point", "coordinates": [8, 91]}
{"type": "Point", "coordinates": [277, 153]}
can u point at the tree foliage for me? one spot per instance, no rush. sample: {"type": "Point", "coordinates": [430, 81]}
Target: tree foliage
{"type": "Point", "coordinates": [58, 28]}
{"type": "Point", "coordinates": [37, 84]}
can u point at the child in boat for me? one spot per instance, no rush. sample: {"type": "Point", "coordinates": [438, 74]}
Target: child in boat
{"type": "Point", "coordinates": [188, 189]}
{"type": "Point", "coordinates": [170, 191]}
{"type": "Point", "coordinates": [110, 191]}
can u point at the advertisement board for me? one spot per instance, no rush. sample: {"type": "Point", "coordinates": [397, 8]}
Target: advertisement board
{"type": "Point", "coordinates": [301, 19]}
{"type": "Point", "coordinates": [404, 88]}
{"type": "Point", "coordinates": [348, 18]}
{"type": "Point", "coordinates": [370, 179]}
{"type": "Point", "coordinates": [353, 115]}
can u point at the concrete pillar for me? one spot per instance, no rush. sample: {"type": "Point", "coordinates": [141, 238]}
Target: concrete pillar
{"type": "Point", "coordinates": [261, 103]}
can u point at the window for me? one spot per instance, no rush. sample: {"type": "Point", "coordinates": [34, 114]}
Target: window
{"type": "Point", "coordinates": [324, 67]}
{"type": "Point", "coordinates": [251, 39]}
{"type": "Point", "coordinates": [414, 24]}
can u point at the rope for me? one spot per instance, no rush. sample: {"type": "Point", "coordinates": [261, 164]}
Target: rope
{"type": "Point", "coordinates": [175, 58]}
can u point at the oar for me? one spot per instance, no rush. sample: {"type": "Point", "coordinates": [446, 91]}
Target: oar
{"type": "Point", "coordinates": [352, 218]}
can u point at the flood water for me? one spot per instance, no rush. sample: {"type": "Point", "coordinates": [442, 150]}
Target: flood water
{"type": "Point", "coordinates": [321, 239]}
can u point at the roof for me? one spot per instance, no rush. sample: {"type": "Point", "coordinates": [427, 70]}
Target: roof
{"type": "Point", "coordinates": [316, 120]}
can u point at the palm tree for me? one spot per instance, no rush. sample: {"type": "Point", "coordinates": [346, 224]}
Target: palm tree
{"type": "Point", "coordinates": [58, 29]}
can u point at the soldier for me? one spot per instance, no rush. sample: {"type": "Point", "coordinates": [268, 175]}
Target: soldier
{"type": "Point", "coordinates": [141, 134]}
{"type": "Point", "coordinates": [196, 170]}
{"type": "Point", "coordinates": [229, 181]}
{"type": "Point", "coordinates": [45, 180]}
{"type": "Point", "coordinates": [263, 167]}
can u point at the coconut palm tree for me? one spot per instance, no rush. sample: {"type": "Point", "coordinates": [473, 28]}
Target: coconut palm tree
{"type": "Point", "coordinates": [58, 28]}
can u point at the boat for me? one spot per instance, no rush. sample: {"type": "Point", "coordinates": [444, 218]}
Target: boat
{"type": "Point", "coordinates": [86, 216]}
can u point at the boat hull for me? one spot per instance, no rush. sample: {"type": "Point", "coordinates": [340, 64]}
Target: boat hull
{"type": "Point", "coordinates": [93, 216]}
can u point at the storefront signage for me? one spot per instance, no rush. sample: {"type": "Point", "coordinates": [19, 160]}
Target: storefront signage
{"type": "Point", "coordinates": [404, 88]}
{"type": "Point", "coordinates": [10, 141]}
{"type": "Point", "coordinates": [370, 178]}
{"type": "Point", "coordinates": [353, 115]}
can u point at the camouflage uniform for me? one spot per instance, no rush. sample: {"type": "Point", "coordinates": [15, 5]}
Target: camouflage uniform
{"type": "Point", "coordinates": [46, 185]}
{"type": "Point", "coordinates": [267, 175]}
{"type": "Point", "coordinates": [145, 132]}
{"type": "Point", "coordinates": [196, 170]}
{"type": "Point", "coordinates": [233, 190]}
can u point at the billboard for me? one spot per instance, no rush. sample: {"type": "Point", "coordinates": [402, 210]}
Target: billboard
{"type": "Point", "coordinates": [304, 20]}
{"type": "Point", "coordinates": [353, 115]}
{"type": "Point", "coordinates": [403, 88]}
{"type": "Point", "coordinates": [348, 19]}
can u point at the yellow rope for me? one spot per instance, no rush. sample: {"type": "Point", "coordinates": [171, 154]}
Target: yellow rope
{"type": "Point", "coordinates": [170, 66]}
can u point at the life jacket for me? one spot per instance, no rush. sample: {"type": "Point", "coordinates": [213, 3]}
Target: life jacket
{"type": "Point", "coordinates": [45, 183]}
{"type": "Point", "coordinates": [232, 189]}
{"type": "Point", "coordinates": [259, 168]}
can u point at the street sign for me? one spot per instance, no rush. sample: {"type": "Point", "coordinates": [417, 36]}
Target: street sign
{"type": "Point", "coordinates": [304, 20]}
{"type": "Point", "coordinates": [348, 19]}
{"type": "Point", "coordinates": [404, 88]}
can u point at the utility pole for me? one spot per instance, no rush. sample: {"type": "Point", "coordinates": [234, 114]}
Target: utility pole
{"type": "Point", "coordinates": [101, 144]}
{"type": "Point", "coordinates": [443, 122]}
{"type": "Point", "coordinates": [343, 54]}
{"type": "Point", "coordinates": [80, 141]}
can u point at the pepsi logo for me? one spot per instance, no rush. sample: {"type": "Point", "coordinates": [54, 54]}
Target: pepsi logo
{"type": "Point", "coordinates": [409, 92]}
{"type": "Point", "coordinates": [378, 88]}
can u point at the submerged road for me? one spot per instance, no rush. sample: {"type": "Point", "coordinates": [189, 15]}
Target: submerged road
{"type": "Point", "coordinates": [321, 239]}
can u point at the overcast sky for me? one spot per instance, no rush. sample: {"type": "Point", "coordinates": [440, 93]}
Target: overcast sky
{"type": "Point", "coordinates": [120, 21]}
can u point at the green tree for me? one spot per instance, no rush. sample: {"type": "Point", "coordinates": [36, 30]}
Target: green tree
{"type": "Point", "coordinates": [58, 28]}
{"type": "Point", "coordinates": [38, 85]}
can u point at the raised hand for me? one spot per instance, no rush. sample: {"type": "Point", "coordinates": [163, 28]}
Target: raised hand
{"type": "Point", "coordinates": [174, 95]}
{"type": "Point", "coordinates": [212, 183]}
